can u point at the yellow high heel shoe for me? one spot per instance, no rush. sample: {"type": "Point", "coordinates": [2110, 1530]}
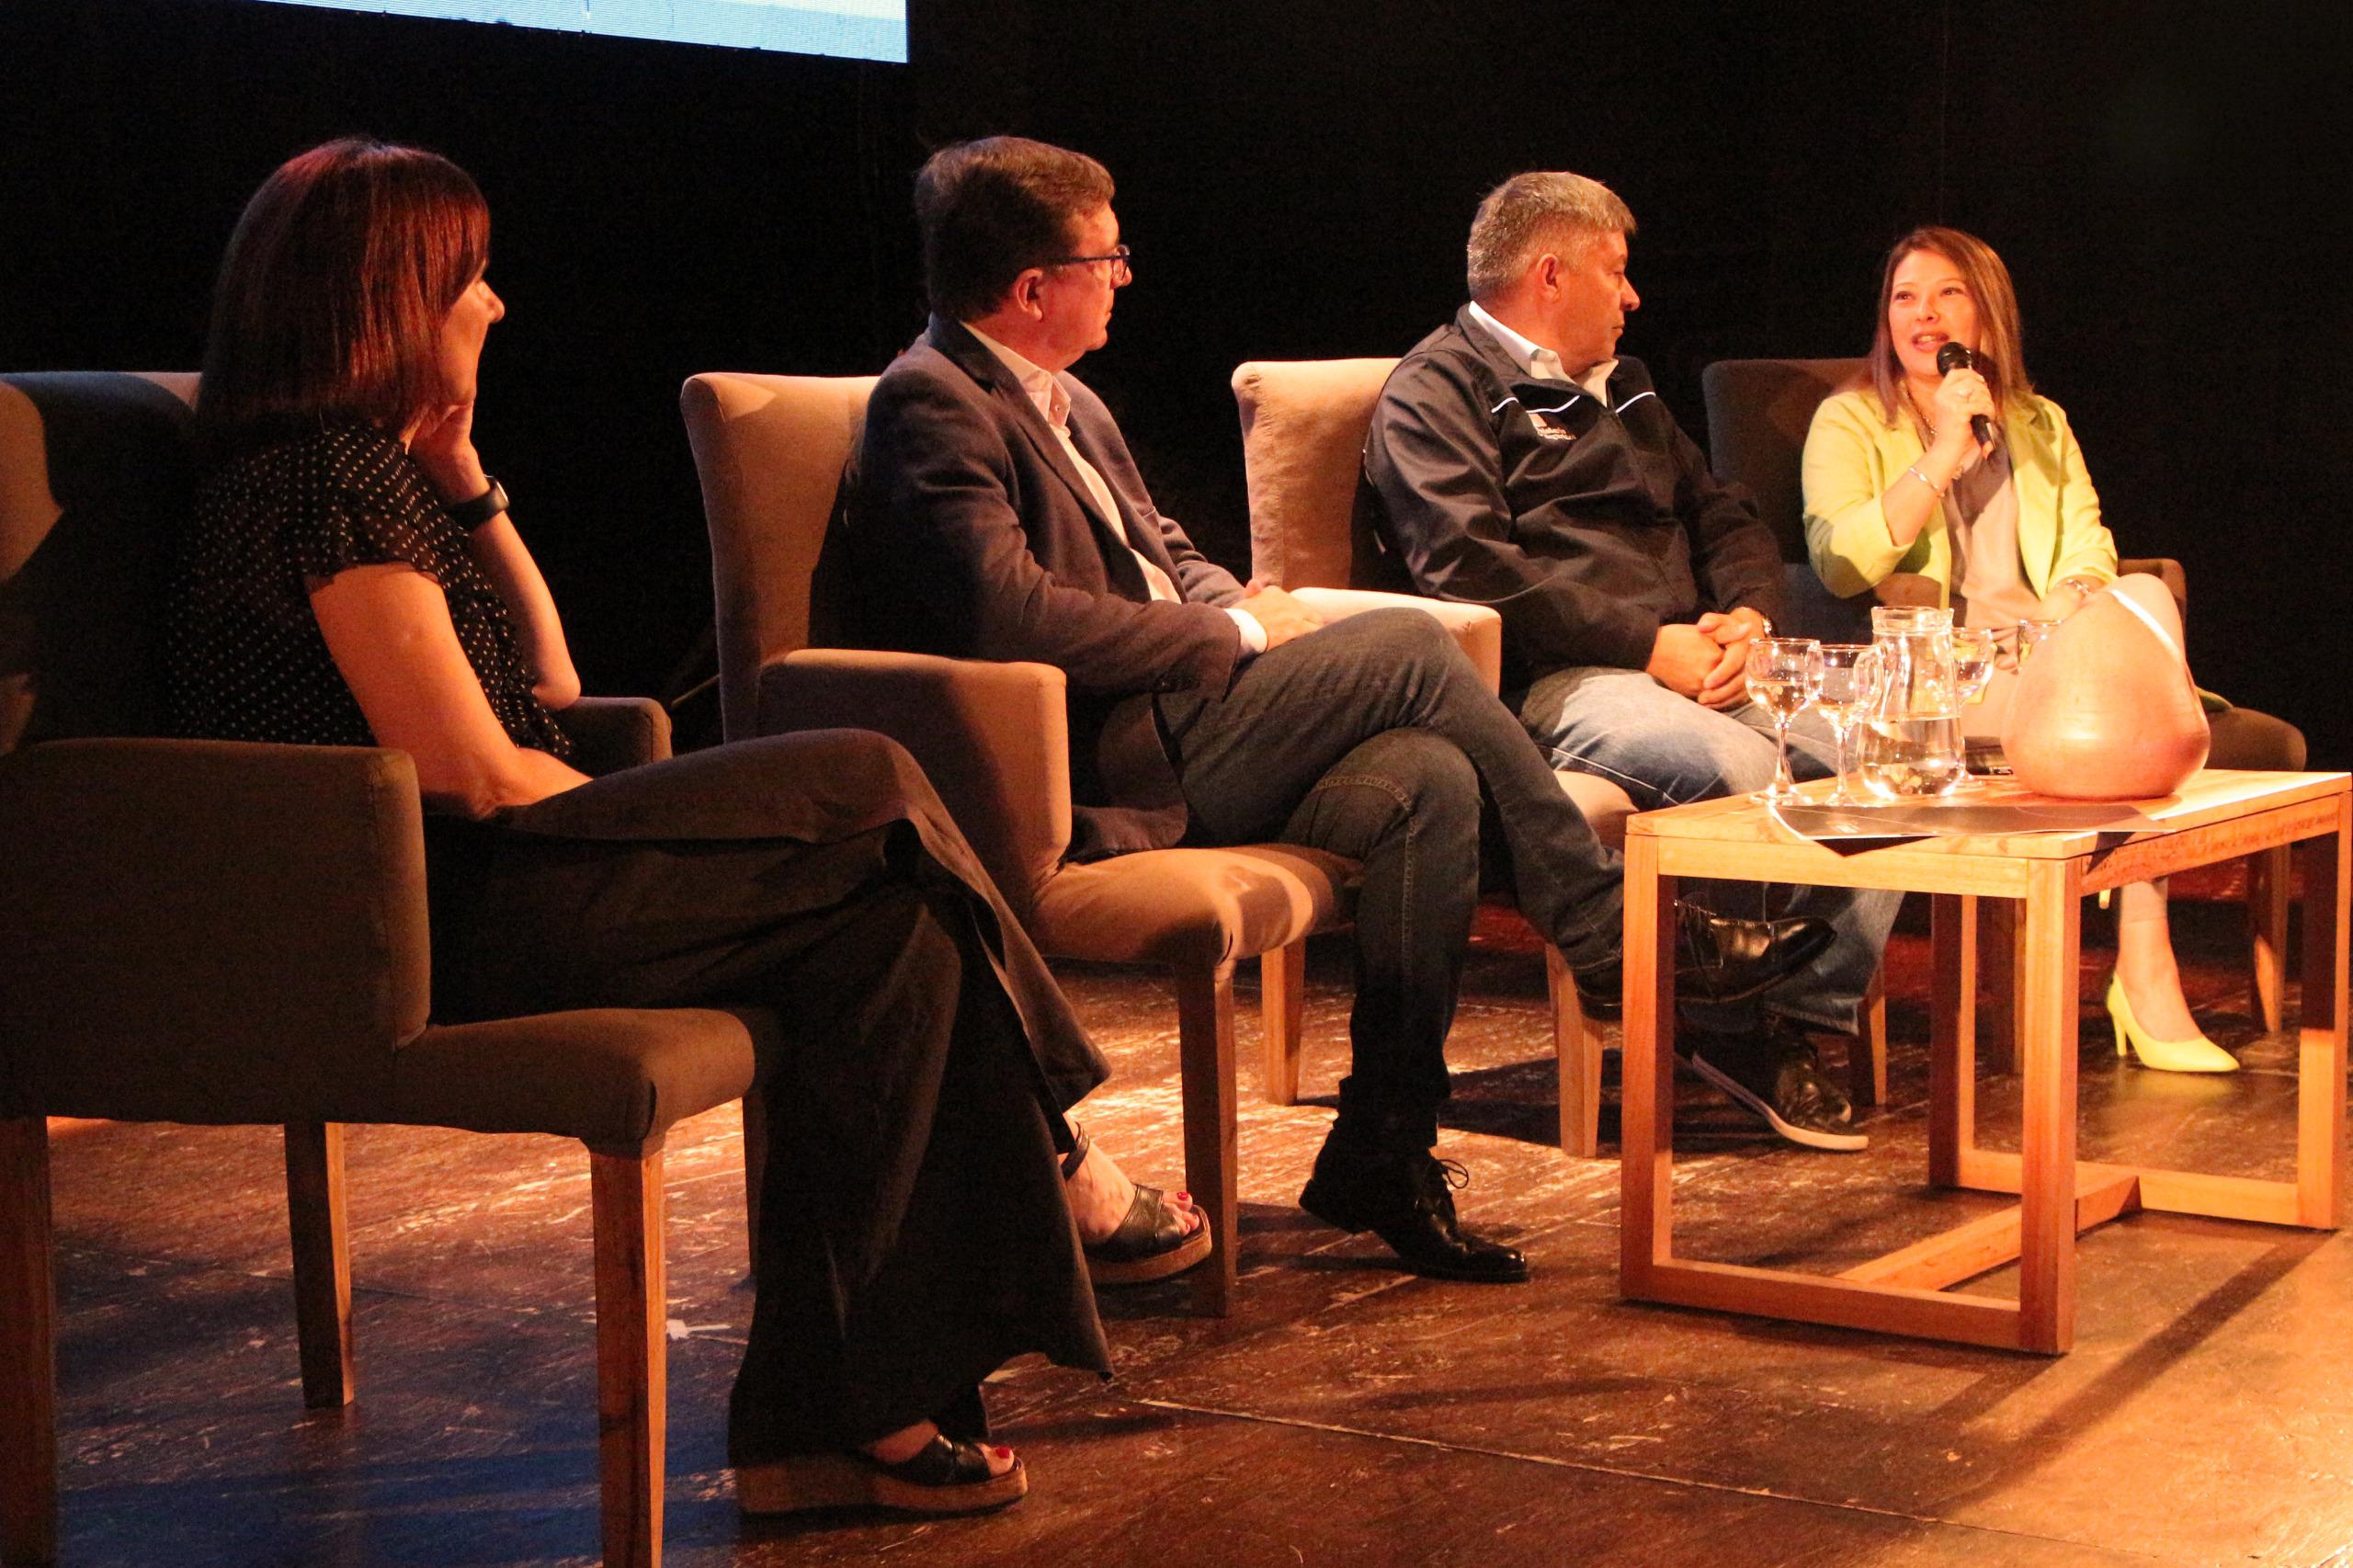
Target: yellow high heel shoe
{"type": "Point", "coordinates": [2196, 1054]}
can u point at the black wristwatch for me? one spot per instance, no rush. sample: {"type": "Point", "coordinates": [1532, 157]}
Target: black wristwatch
{"type": "Point", "coordinates": [471, 514]}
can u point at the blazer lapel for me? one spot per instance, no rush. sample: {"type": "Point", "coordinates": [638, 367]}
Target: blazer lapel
{"type": "Point", "coordinates": [1146, 542]}
{"type": "Point", "coordinates": [976, 359]}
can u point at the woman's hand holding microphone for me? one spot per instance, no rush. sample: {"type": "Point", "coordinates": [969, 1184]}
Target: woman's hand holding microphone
{"type": "Point", "coordinates": [1961, 398]}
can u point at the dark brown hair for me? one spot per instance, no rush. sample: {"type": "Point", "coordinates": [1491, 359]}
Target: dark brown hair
{"type": "Point", "coordinates": [992, 208]}
{"type": "Point", "coordinates": [334, 288]}
{"type": "Point", "coordinates": [2001, 352]}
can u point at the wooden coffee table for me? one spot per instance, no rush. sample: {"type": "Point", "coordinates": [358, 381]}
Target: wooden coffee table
{"type": "Point", "coordinates": [2217, 815]}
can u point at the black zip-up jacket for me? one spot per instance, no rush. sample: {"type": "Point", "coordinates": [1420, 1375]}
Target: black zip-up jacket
{"type": "Point", "coordinates": [1587, 528]}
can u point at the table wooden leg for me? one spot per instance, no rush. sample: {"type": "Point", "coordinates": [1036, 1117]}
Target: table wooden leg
{"type": "Point", "coordinates": [1952, 1035]}
{"type": "Point", "coordinates": [2327, 864]}
{"type": "Point", "coordinates": [2001, 955]}
{"type": "Point", "coordinates": [1646, 1168]}
{"type": "Point", "coordinates": [2047, 1145]}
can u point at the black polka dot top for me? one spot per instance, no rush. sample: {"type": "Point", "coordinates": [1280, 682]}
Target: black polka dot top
{"type": "Point", "coordinates": [245, 659]}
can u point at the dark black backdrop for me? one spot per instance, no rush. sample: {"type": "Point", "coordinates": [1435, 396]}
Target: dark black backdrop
{"type": "Point", "coordinates": [2168, 184]}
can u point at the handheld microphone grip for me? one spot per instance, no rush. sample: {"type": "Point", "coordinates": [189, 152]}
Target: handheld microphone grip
{"type": "Point", "coordinates": [1953, 356]}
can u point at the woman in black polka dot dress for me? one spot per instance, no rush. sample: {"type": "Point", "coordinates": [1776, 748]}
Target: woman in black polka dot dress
{"type": "Point", "coordinates": [352, 578]}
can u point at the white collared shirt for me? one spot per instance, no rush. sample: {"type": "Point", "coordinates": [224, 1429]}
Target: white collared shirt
{"type": "Point", "coordinates": [1541, 362]}
{"type": "Point", "coordinates": [1045, 391]}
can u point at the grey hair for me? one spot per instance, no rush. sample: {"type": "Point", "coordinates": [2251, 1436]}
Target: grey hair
{"type": "Point", "coordinates": [1533, 209]}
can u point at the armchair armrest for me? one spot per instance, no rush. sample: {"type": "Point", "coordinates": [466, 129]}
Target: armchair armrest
{"type": "Point", "coordinates": [209, 930]}
{"type": "Point", "coordinates": [609, 733]}
{"type": "Point", "coordinates": [994, 739]}
{"type": "Point", "coordinates": [1477, 628]}
{"type": "Point", "coordinates": [2165, 570]}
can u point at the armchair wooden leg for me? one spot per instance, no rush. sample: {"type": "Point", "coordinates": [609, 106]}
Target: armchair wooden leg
{"type": "Point", "coordinates": [2266, 932]}
{"type": "Point", "coordinates": [321, 1232]}
{"type": "Point", "coordinates": [1282, 1008]}
{"type": "Point", "coordinates": [1867, 1053]}
{"type": "Point", "coordinates": [1577, 1050]}
{"type": "Point", "coordinates": [1205, 1049]}
{"type": "Point", "coordinates": [28, 1347]}
{"type": "Point", "coordinates": [755, 1165]}
{"type": "Point", "coordinates": [632, 1358]}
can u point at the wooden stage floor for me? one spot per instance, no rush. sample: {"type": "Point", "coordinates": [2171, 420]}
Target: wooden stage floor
{"type": "Point", "coordinates": [1347, 1415]}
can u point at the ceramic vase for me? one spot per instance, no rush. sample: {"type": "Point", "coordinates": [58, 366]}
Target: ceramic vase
{"type": "Point", "coordinates": [2105, 710]}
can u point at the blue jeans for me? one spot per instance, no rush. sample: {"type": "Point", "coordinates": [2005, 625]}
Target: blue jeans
{"type": "Point", "coordinates": [1663, 749]}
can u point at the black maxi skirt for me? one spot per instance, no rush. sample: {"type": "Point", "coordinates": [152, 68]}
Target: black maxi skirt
{"type": "Point", "coordinates": [915, 1234]}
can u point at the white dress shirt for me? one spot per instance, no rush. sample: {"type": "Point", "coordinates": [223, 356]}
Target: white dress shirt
{"type": "Point", "coordinates": [1541, 362]}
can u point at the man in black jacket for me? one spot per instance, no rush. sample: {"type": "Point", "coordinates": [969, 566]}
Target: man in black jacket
{"type": "Point", "coordinates": [992, 511]}
{"type": "Point", "coordinates": [1516, 460]}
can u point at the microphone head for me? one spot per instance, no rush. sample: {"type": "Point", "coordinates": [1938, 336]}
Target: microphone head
{"type": "Point", "coordinates": [1952, 357]}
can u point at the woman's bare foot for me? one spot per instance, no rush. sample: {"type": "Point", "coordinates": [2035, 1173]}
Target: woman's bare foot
{"type": "Point", "coordinates": [908, 1441]}
{"type": "Point", "coordinates": [1100, 1194]}
{"type": "Point", "coordinates": [2145, 967]}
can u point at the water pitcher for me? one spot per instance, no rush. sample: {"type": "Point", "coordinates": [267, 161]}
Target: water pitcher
{"type": "Point", "coordinates": [1909, 745]}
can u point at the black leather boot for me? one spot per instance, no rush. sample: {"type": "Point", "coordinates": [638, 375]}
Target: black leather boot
{"type": "Point", "coordinates": [1404, 1196]}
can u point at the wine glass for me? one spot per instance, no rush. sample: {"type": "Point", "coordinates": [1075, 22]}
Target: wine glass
{"type": "Point", "coordinates": [1847, 671]}
{"type": "Point", "coordinates": [2031, 632]}
{"type": "Point", "coordinates": [1784, 677]}
{"type": "Point", "coordinates": [1974, 650]}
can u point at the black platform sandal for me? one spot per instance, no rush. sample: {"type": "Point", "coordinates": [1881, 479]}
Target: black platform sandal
{"type": "Point", "coordinates": [1150, 1242]}
{"type": "Point", "coordinates": [942, 1477]}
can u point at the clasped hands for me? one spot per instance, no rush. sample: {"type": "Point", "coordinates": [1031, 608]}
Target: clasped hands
{"type": "Point", "coordinates": [1706, 660]}
{"type": "Point", "coordinates": [1283, 617]}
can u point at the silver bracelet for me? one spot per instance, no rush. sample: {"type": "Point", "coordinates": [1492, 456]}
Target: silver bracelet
{"type": "Point", "coordinates": [1938, 490]}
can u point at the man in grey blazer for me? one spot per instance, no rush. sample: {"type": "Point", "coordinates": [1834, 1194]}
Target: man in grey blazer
{"type": "Point", "coordinates": [992, 511]}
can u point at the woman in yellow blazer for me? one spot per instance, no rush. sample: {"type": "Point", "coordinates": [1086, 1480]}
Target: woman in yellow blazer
{"type": "Point", "coordinates": [1904, 501]}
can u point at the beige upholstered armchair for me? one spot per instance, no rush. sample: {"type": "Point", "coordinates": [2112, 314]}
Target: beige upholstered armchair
{"type": "Point", "coordinates": [994, 739]}
{"type": "Point", "coordinates": [1303, 426]}
{"type": "Point", "coordinates": [211, 932]}
{"type": "Point", "coordinates": [1758, 413]}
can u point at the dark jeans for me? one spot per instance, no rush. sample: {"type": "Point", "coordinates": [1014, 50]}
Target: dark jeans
{"type": "Point", "coordinates": [1374, 738]}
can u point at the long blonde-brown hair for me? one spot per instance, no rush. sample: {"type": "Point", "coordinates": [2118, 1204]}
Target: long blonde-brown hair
{"type": "Point", "coordinates": [2001, 354]}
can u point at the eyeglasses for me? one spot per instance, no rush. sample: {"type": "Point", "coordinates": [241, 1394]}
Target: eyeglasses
{"type": "Point", "coordinates": [1122, 271]}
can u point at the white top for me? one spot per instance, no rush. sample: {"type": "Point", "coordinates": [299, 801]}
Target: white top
{"type": "Point", "coordinates": [1989, 577]}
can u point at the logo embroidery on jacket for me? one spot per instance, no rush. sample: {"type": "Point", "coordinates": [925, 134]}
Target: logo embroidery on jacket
{"type": "Point", "coordinates": [1546, 430]}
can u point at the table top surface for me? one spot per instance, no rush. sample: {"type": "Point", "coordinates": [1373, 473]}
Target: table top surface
{"type": "Point", "coordinates": [1999, 818]}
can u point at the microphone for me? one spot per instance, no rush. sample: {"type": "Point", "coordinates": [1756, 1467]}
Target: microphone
{"type": "Point", "coordinates": [1953, 356]}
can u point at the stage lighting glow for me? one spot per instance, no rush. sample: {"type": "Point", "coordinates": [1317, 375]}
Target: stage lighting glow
{"type": "Point", "coordinates": [861, 29]}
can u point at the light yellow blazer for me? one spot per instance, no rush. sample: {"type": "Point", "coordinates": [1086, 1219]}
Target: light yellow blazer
{"type": "Point", "coordinates": [1852, 457]}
